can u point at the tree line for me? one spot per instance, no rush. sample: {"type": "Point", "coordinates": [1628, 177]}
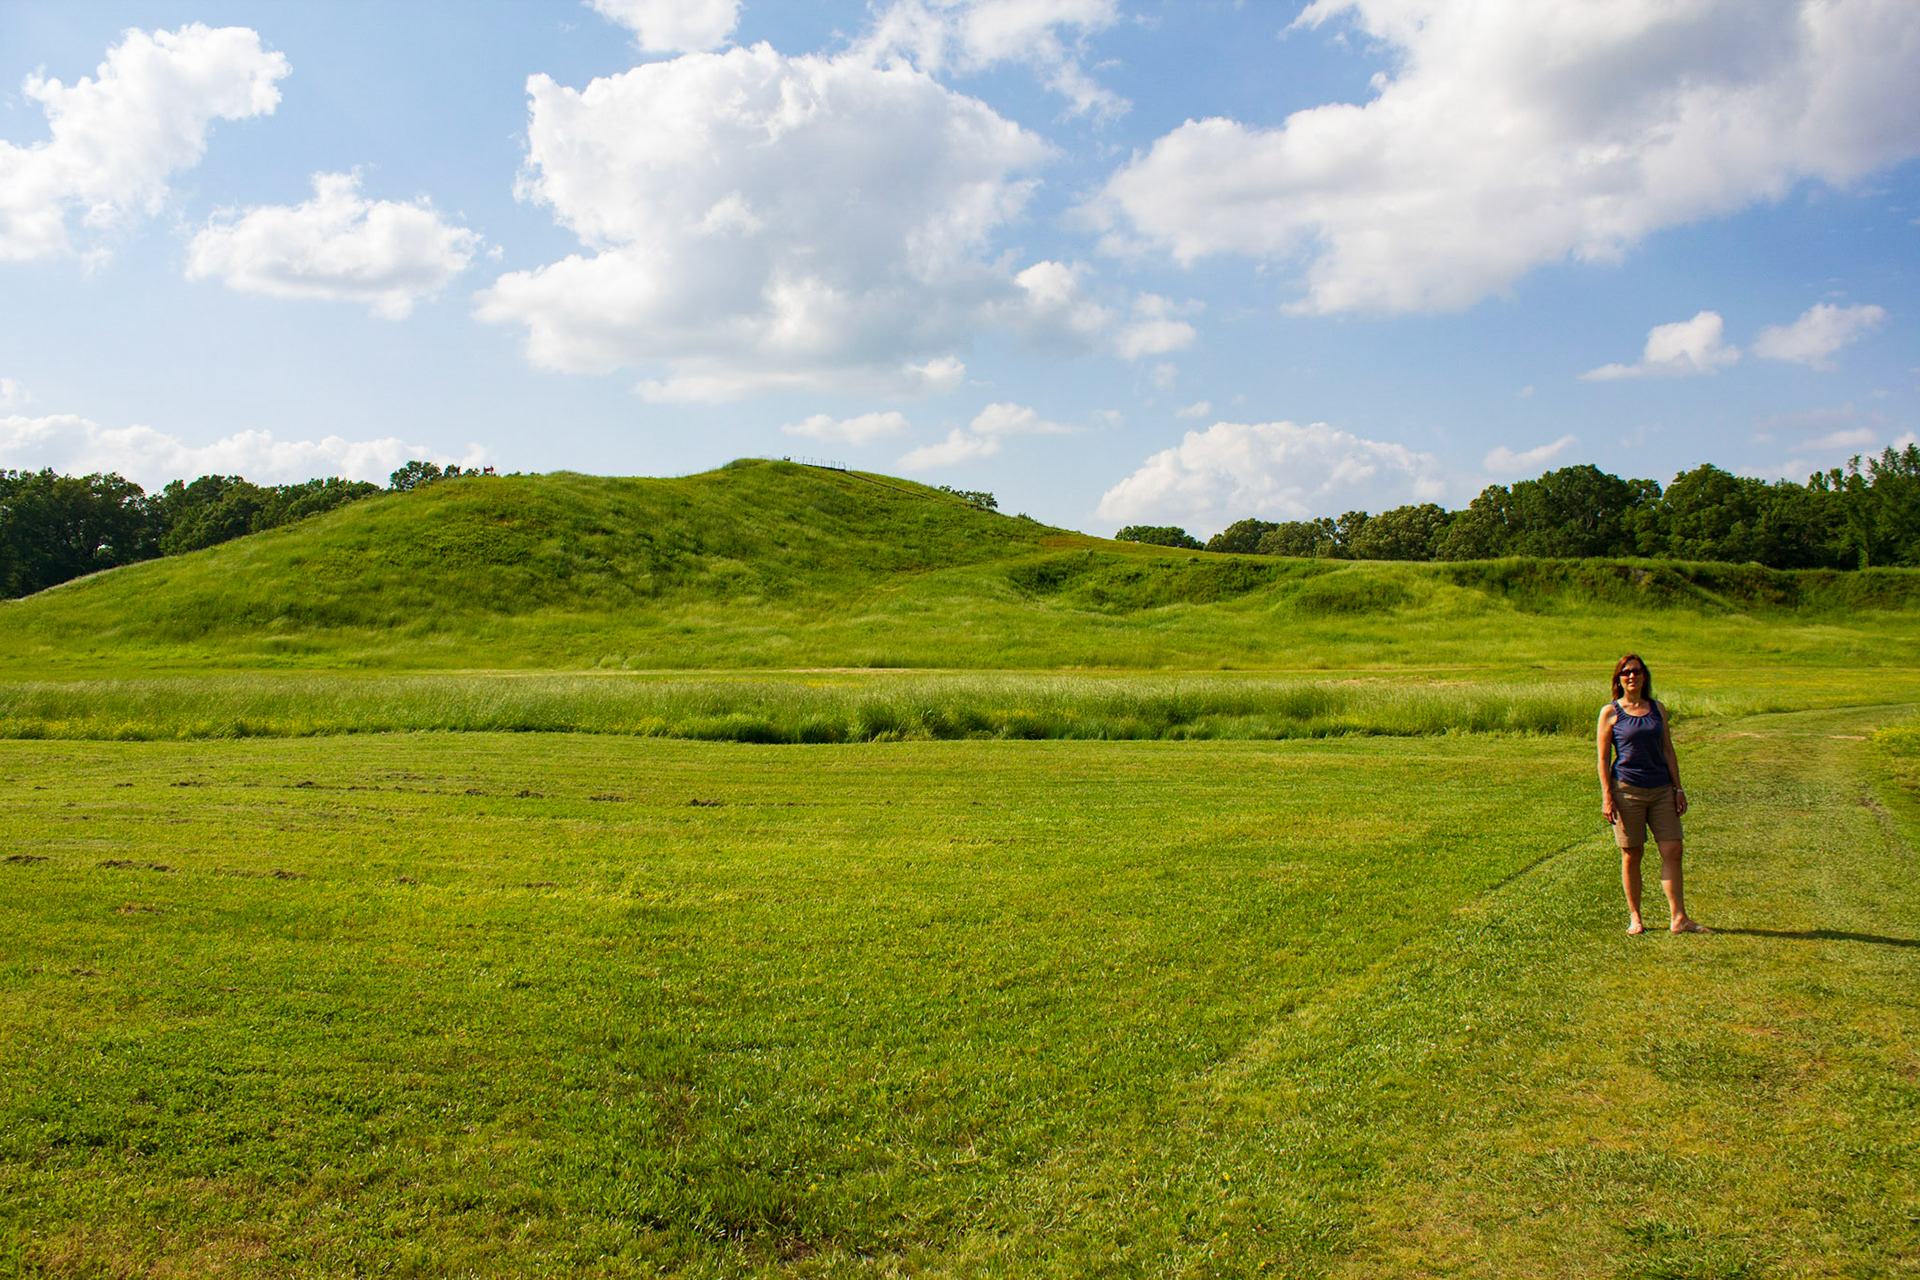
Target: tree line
{"type": "Point", "coordinates": [1853, 517]}
{"type": "Point", "coordinates": [54, 528]}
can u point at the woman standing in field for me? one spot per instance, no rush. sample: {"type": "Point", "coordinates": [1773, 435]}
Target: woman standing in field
{"type": "Point", "coordinates": [1640, 788]}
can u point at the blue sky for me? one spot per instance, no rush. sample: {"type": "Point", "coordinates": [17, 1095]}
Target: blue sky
{"type": "Point", "coordinates": [1116, 262]}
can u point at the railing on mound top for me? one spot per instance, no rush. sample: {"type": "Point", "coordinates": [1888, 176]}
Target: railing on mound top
{"type": "Point", "coordinates": [830, 464]}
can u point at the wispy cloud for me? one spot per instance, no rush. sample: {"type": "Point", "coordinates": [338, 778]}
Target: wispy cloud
{"type": "Point", "coordinates": [981, 438]}
{"type": "Point", "coordinates": [1815, 439]}
{"type": "Point", "coordinates": [863, 429]}
{"type": "Point", "coordinates": [959, 446]}
{"type": "Point", "coordinates": [1817, 335]}
{"type": "Point", "coordinates": [1505, 461]}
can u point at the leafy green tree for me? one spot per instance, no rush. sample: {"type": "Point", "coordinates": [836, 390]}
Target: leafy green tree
{"type": "Point", "coordinates": [1242, 537]}
{"type": "Point", "coordinates": [317, 497]}
{"type": "Point", "coordinates": [1845, 495]}
{"type": "Point", "coordinates": [215, 509]}
{"type": "Point", "coordinates": [1800, 529]}
{"type": "Point", "coordinates": [54, 528]}
{"type": "Point", "coordinates": [979, 498]}
{"type": "Point", "coordinates": [1710, 514]}
{"type": "Point", "coordinates": [1875, 508]}
{"type": "Point", "coordinates": [415, 474]}
{"type": "Point", "coordinates": [210, 510]}
{"type": "Point", "coordinates": [1484, 531]}
{"type": "Point", "coordinates": [1895, 477]}
{"type": "Point", "coordinates": [1404, 533]}
{"type": "Point", "coordinates": [1347, 530]}
{"type": "Point", "coordinates": [1303, 538]}
{"type": "Point", "coordinates": [1867, 513]}
{"type": "Point", "coordinates": [1575, 512]}
{"type": "Point", "coordinates": [1160, 535]}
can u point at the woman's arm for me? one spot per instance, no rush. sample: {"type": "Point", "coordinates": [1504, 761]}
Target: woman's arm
{"type": "Point", "coordinates": [1673, 762]}
{"type": "Point", "coordinates": [1603, 747]}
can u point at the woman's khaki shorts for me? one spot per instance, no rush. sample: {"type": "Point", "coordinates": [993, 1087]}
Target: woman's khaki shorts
{"type": "Point", "coordinates": [1637, 808]}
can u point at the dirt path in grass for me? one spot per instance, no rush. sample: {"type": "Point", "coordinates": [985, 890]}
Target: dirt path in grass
{"type": "Point", "coordinates": [1531, 1092]}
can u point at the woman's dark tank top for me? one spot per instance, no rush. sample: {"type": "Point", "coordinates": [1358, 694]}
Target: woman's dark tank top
{"type": "Point", "coordinates": [1639, 759]}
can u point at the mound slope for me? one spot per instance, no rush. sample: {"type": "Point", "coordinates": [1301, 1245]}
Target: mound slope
{"type": "Point", "coordinates": [763, 564]}
{"type": "Point", "coordinates": [449, 559]}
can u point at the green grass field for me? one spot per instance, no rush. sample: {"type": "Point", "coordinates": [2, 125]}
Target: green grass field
{"type": "Point", "coordinates": [452, 1004]}
{"type": "Point", "coordinates": [793, 873]}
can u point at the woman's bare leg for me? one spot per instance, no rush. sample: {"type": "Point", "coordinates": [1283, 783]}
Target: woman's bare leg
{"type": "Point", "coordinates": [1630, 881]}
{"type": "Point", "coordinates": [1670, 881]}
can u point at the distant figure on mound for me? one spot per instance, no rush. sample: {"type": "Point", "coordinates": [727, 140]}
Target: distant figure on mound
{"type": "Point", "coordinates": [1640, 788]}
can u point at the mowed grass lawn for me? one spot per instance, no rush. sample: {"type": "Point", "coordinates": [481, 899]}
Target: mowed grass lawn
{"type": "Point", "coordinates": [452, 1004]}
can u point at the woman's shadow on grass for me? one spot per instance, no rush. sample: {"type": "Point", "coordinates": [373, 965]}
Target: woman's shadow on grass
{"type": "Point", "coordinates": [1823, 935]}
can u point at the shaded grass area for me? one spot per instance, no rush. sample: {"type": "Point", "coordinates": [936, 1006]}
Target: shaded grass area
{"type": "Point", "coordinates": [867, 707]}
{"type": "Point", "coordinates": [519, 1004]}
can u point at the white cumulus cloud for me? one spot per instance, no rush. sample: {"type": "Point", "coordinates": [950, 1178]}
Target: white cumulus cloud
{"type": "Point", "coordinates": [973, 35]}
{"type": "Point", "coordinates": [13, 395]}
{"type": "Point", "coordinates": [1504, 461]}
{"type": "Point", "coordinates": [1512, 133]}
{"type": "Point", "coordinates": [981, 437]}
{"type": "Point", "coordinates": [1059, 312]}
{"type": "Point", "coordinates": [1273, 470]}
{"type": "Point", "coordinates": [1677, 350]}
{"type": "Point", "coordinates": [338, 245]}
{"type": "Point", "coordinates": [1817, 335]}
{"type": "Point", "coordinates": [673, 26]}
{"type": "Point", "coordinates": [1198, 409]}
{"type": "Point", "coordinates": [74, 445]}
{"type": "Point", "coordinates": [862, 429]}
{"type": "Point", "coordinates": [1056, 310]}
{"type": "Point", "coordinates": [119, 135]}
{"type": "Point", "coordinates": [755, 222]}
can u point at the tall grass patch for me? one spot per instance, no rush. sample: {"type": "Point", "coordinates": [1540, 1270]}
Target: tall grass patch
{"type": "Point", "coordinates": [803, 710]}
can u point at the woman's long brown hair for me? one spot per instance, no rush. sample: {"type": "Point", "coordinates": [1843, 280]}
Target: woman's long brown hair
{"type": "Point", "coordinates": [1621, 665]}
